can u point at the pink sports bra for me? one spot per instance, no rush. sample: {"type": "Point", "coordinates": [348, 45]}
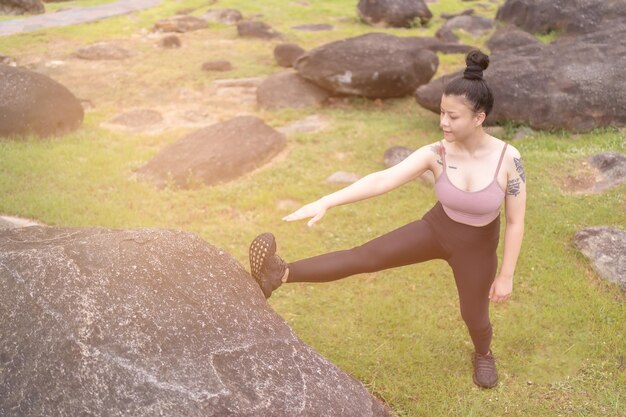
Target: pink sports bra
{"type": "Point", "coordinates": [474, 208]}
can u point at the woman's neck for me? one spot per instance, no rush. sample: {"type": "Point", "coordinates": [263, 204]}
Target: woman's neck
{"type": "Point", "coordinates": [474, 143]}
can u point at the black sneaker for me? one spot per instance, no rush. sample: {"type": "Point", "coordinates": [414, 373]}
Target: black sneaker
{"type": "Point", "coordinates": [266, 267]}
{"type": "Point", "coordinates": [485, 372]}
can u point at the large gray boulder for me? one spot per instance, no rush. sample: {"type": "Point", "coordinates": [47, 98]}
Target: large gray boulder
{"type": "Point", "coordinates": [289, 90]}
{"type": "Point", "coordinates": [575, 83]}
{"type": "Point", "coordinates": [606, 248]}
{"type": "Point", "coordinates": [99, 322]}
{"type": "Point", "coordinates": [393, 13]}
{"type": "Point", "coordinates": [374, 65]}
{"type": "Point", "coordinates": [510, 38]}
{"type": "Point", "coordinates": [32, 103]}
{"type": "Point", "coordinates": [569, 16]}
{"type": "Point", "coordinates": [19, 7]}
{"type": "Point", "coordinates": [215, 154]}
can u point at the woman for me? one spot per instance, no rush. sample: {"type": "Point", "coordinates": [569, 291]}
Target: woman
{"type": "Point", "coordinates": [475, 173]}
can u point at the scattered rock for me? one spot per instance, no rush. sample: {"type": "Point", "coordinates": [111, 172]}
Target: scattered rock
{"type": "Point", "coordinates": [510, 38]}
{"type": "Point", "coordinates": [342, 177]}
{"type": "Point", "coordinates": [151, 322]}
{"type": "Point", "coordinates": [170, 42]}
{"type": "Point", "coordinates": [579, 80]}
{"type": "Point", "coordinates": [215, 154]}
{"type": "Point", "coordinates": [227, 16]}
{"type": "Point", "coordinates": [34, 103]}
{"type": "Point", "coordinates": [394, 13]}
{"type": "Point", "coordinates": [180, 24]}
{"type": "Point", "coordinates": [448, 16]}
{"type": "Point", "coordinates": [374, 65]}
{"type": "Point", "coordinates": [522, 133]}
{"type": "Point", "coordinates": [309, 124]}
{"type": "Point", "coordinates": [397, 154]}
{"type": "Point", "coordinates": [256, 30]}
{"type": "Point", "coordinates": [611, 167]}
{"type": "Point", "coordinates": [19, 7]}
{"type": "Point", "coordinates": [103, 51]}
{"type": "Point", "coordinates": [318, 27]}
{"type": "Point", "coordinates": [474, 25]}
{"type": "Point", "coordinates": [580, 16]}
{"type": "Point", "coordinates": [217, 66]}
{"type": "Point", "coordinates": [605, 247]}
{"type": "Point", "coordinates": [289, 90]}
{"type": "Point", "coordinates": [138, 118]}
{"type": "Point", "coordinates": [287, 53]}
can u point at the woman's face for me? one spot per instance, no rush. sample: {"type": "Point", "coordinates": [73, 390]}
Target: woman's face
{"type": "Point", "coordinates": [457, 119]}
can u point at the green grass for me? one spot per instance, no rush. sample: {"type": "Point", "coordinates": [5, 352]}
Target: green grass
{"type": "Point", "coordinates": [560, 342]}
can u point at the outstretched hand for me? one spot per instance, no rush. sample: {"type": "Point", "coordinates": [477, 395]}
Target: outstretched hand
{"type": "Point", "coordinates": [315, 210]}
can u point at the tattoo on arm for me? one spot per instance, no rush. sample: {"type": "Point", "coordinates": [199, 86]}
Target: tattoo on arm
{"type": "Point", "coordinates": [513, 187]}
{"type": "Point", "coordinates": [519, 167]}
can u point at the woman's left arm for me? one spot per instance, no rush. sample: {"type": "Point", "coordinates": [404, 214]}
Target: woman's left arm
{"type": "Point", "coordinates": [515, 209]}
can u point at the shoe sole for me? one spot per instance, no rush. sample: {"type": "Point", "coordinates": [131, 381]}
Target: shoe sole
{"type": "Point", "coordinates": [262, 247]}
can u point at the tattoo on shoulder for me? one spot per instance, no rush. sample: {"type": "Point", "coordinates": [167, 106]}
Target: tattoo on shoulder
{"type": "Point", "coordinates": [519, 167]}
{"type": "Point", "coordinates": [513, 187]}
{"type": "Point", "coordinates": [435, 149]}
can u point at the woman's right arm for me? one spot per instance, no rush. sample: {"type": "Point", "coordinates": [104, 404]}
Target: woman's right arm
{"type": "Point", "coordinates": [371, 185]}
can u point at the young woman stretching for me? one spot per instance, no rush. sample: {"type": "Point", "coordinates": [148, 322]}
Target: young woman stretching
{"type": "Point", "coordinates": [475, 173]}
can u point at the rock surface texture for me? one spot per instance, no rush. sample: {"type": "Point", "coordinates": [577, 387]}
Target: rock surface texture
{"type": "Point", "coordinates": [374, 65]}
{"type": "Point", "coordinates": [611, 167]}
{"type": "Point", "coordinates": [19, 7]}
{"type": "Point", "coordinates": [289, 90]}
{"type": "Point", "coordinates": [394, 13]}
{"type": "Point", "coordinates": [151, 322]}
{"type": "Point", "coordinates": [32, 103]}
{"type": "Point", "coordinates": [215, 154]}
{"type": "Point", "coordinates": [575, 83]}
{"type": "Point", "coordinates": [568, 16]}
{"type": "Point", "coordinates": [606, 248]}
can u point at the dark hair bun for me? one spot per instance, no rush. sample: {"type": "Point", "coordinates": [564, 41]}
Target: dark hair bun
{"type": "Point", "coordinates": [476, 63]}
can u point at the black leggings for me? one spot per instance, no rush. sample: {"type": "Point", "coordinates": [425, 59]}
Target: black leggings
{"type": "Point", "coordinates": [469, 250]}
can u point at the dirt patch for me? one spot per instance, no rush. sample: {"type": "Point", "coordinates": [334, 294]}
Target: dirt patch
{"type": "Point", "coordinates": [581, 179]}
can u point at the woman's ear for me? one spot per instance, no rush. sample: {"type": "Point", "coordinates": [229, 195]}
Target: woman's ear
{"type": "Point", "coordinates": [479, 118]}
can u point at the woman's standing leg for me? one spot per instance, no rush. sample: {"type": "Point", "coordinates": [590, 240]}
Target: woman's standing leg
{"type": "Point", "coordinates": [474, 271]}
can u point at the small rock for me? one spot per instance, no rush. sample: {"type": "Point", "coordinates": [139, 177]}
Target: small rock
{"type": "Point", "coordinates": [217, 66]}
{"type": "Point", "coordinates": [103, 51]}
{"type": "Point", "coordinates": [612, 168]}
{"type": "Point", "coordinates": [170, 42]}
{"type": "Point", "coordinates": [448, 16]}
{"type": "Point", "coordinates": [395, 155]}
{"type": "Point", "coordinates": [256, 30]}
{"type": "Point", "coordinates": [287, 53]}
{"type": "Point", "coordinates": [342, 177]}
{"type": "Point", "coordinates": [605, 247]}
{"type": "Point", "coordinates": [226, 16]}
{"type": "Point", "coordinates": [522, 133]}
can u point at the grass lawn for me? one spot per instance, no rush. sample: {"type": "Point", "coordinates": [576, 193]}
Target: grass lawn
{"type": "Point", "coordinates": [561, 340]}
